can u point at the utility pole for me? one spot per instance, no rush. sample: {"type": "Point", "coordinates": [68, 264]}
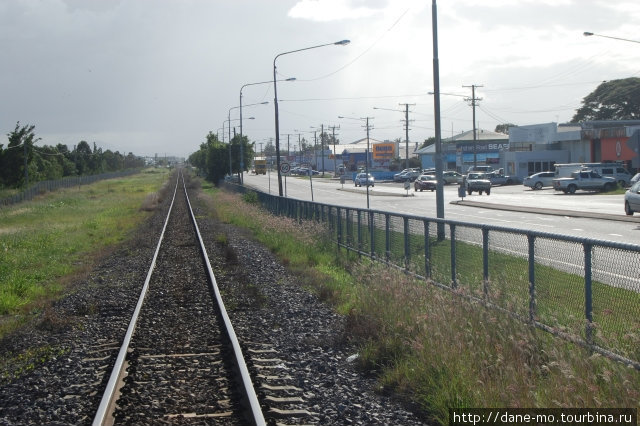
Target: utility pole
{"type": "Point", "coordinates": [473, 100]}
{"type": "Point", "coordinates": [333, 129]}
{"type": "Point", "coordinates": [366, 167]}
{"type": "Point", "coordinates": [315, 147]}
{"type": "Point", "coordinates": [322, 146]}
{"type": "Point", "coordinates": [406, 128]}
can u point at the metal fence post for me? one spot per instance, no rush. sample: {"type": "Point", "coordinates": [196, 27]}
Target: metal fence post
{"type": "Point", "coordinates": [349, 240]}
{"type": "Point", "coordinates": [532, 278]}
{"type": "Point", "coordinates": [371, 231]}
{"type": "Point", "coordinates": [407, 253]}
{"type": "Point", "coordinates": [427, 262]}
{"type": "Point", "coordinates": [452, 230]}
{"type": "Point", "coordinates": [485, 261]}
{"type": "Point", "coordinates": [387, 236]}
{"type": "Point", "coordinates": [588, 295]}
{"type": "Point", "coordinates": [339, 225]}
{"type": "Point", "coordinates": [359, 232]}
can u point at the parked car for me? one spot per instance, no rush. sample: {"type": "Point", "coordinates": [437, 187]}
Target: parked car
{"type": "Point", "coordinates": [484, 169]}
{"type": "Point", "coordinates": [632, 199]}
{"type": "Point", "coordinates": [304, 171]}
{"type": "Point", "coordinates": [499, 178]}
{"type": "Point", "coordinates": [399, 177]}
{"type": "Point", "coordinates": [425, 182]}
{"type": "Point", "coordinates": [364, 179]}
{"type": "Point", "coordinates": [451, 176]}
{"type": "Point", "coordinates": [476, 181]}
{"type": "Point", "coordinates": [407, 175]}
{"type": "Point", "coordinates": [539, 180]}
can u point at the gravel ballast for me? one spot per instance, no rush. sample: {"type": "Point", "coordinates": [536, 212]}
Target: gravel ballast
{"type": "Point", "coordinates": [269, 307]}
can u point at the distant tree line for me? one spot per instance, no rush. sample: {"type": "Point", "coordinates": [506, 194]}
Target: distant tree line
{"type": "Point", "coordinates": [212, 159]}
{"type": "Point", "coordinates": [21, 162]}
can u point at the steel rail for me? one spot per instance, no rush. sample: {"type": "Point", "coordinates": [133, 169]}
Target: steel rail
{"type": "Point", "coordinates": [249, 391]}
{"type": "Point", "coordinates": [101, 416]}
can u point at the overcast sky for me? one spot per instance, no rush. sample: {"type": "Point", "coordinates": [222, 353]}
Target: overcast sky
{"type": "Point", "coordinates": [154, 77]}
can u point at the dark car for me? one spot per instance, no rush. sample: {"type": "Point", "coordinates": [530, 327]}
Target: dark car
{"type": "Point", "coordinates": [425, 182]}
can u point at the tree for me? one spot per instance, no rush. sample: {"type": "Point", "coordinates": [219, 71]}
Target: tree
{"type": "Point", "coordinates": [269, 149]}
{"type": "Point", "coordinates": [12, 168]}
{"type": "Point", "coordinates": [612, 100]}
{"type": "Point", "coordinates": [504, 128]}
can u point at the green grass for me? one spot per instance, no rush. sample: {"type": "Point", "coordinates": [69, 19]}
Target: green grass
{"type": "Point", "coordinates": [442, 351]}
{"type": "Point", "coordinates": [560, 299]}
{"type": "Point", "coordinates": [60, 233]}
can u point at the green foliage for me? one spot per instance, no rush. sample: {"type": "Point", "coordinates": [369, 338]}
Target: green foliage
{"type": "Point", "coordinates": [612, 100]}
{"type": "Point", "coordinates": [504, 128]}
{"type": "Point", "coordinates": [44, 240]}
{"type": "Point", "coordinates": [212, 159]}
{"type": "Point", "coordinates": [54, 162]}
{"type": "Point", "coordinates": [250, 197]}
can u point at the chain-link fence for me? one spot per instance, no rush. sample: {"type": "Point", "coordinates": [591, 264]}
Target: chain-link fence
{"type": "Point", "coordinates": [68, 182]}
{"type": "Point", "coordinates": [584, 290]}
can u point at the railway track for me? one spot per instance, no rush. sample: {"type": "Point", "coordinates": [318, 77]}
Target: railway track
{"type": "Point", "coordinates": [180, 359]}
{"type": "Point", "coordinates": [177, 366]}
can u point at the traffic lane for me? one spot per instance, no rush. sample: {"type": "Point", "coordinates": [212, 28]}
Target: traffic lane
{"type": "Point", "coordinates": [424, 204]}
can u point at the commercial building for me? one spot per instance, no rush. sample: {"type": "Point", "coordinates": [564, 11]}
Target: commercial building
{"type": "Point", "coordinates": [536, 148]}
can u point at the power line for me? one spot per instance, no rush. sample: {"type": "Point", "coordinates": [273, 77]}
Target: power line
{"type": "Point", "coordinates": [473, 100]}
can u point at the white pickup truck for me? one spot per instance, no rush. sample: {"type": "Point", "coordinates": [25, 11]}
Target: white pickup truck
{"type": "Point", "coordinates": [586, 180]}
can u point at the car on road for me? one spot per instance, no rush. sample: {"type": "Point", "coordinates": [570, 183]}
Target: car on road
{"type": "Point", "coordinates": [304, 171]}
{"type": "Point", "coordinates": [497, 177]}
{"type": "Point", "coordinates": [478, 182]}
{"type": "Point", "coordinates": [451, 176]}
{"type": "Point", "coordinates": [634, 179]}
{"type": "Point", "coordinates": [364, 179]}
{"type": "Point", "coordinates": [632, 199]}
{"type": "Point", "coordinates": [539, 180]}
{"type": "Point", "coordinates": [423, 182]}
{"type": "Point", "coordinates": [407, 175]}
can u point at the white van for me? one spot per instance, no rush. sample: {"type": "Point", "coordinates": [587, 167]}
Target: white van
{"type": "Point", "coordinates": [614, 170]}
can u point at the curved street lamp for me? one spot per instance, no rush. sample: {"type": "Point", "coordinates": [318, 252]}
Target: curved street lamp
{"type": "Point", "coordinates": [588, 33]}
{"type": "Point", "coordinates": [241, 145]}
{"type": "Point", "coordinates": [275, 101]}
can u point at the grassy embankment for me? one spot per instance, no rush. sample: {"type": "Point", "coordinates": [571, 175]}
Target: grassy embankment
{"type": "Point", "coordinates": [431, 346]}
{"type": "Point", "coordinates": [45, 242]}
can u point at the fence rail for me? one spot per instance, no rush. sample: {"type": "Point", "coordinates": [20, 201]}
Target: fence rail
{"type": "Point", "coordinates": [583, 290]}
{"type": "Point", "coordinates": [67, 182]}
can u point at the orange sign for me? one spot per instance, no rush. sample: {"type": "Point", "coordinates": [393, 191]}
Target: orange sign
{"type": "Point", "coordinates": [384, 151]}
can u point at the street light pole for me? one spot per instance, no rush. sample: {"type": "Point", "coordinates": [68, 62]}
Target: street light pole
{"type": "Point", "coordinates": [275, 101]}
{"type": "Point", "coordinates": [436, 111]}
{"type": "Point", "coordinates": [587, 34]}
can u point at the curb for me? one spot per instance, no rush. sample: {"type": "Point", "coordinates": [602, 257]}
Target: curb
{"type": "Point", "coordinates": [553, 212]}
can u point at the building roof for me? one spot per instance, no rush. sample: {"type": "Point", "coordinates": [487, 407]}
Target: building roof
{"type": "Point", "coordinates": [480, 135]}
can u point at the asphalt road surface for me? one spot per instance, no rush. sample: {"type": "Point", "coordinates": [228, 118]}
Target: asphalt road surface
{"type": "Point", "coordinates": [584, 214]}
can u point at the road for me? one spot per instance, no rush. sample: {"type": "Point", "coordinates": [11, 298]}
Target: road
{"type": "Point", "coordinates": [591, 215]}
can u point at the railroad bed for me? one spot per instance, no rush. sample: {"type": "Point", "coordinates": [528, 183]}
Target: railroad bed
{"type": "Point", "coordinates": [177, 367]}
{"type": "Point", "coordinates": [179, 357]}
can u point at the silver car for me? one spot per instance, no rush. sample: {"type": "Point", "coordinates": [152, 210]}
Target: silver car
{"type": "Point", "coordinates": [632, 199]}
{"type": "Point", "coordinates": [539, 180]}
{"type": "Point", "coordinates": [364, 179]}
